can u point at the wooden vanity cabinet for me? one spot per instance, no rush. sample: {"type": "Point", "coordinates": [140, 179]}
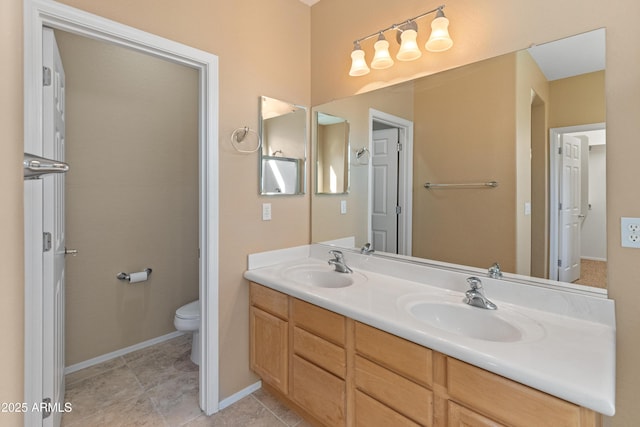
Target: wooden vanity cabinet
{"type": "Point", "coordinates": [319, 362]}
{"type": "Point", "coordinates": [340, 372]}
{"type": "Point", "coordinates": [269, 336]}
{"type": "Point", "coordinates": [395, 373]}
{"type": "Point", "coordinates": [480, 398]}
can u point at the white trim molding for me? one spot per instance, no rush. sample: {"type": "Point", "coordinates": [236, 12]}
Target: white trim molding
{"type": "Point", "coordinates": [405, 177]}
{"type": "Point", "coordinates": [40, 13]}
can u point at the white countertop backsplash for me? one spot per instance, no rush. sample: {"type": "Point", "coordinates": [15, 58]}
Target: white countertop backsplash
{"type": "Point", "coordinates": [573, 359]}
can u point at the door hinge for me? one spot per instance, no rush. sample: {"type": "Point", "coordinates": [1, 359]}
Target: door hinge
{"type": "Point", "coordinates": [560, 150]}
{"type": "Point", "coordinates": [46, 76]}
{"type": "Point", "coordinates": [46, 241]}
{"type": "Point", "coordinates": [399, 146]}
{"type": "Point", "coordinates": [559, 263]}
{"type": "Point", "coordinates": [46, 407]}
{"type": "Point", "coordinates": [398, 210]}
{"type": "Point", "coordinates": [560, 206]}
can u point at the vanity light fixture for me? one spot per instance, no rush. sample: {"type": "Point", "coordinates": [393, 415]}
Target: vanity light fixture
{"type": "Point", "coordinates": [407, 33]}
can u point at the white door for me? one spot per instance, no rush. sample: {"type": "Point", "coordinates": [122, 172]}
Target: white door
{"type": "Point", "coordinates": [53, 223]}
{"type": "Point", "coordinates": [384, 164]}
{"type": "Point", "coordinates": [570, 209]}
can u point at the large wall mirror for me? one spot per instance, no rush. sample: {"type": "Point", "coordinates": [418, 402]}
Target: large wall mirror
{"type": "Point", "coordinates": [331, 143]}
{"type": "Point", "coordinates": [283, 132]}
{"type": "Point", "coordinates": [499, 161]}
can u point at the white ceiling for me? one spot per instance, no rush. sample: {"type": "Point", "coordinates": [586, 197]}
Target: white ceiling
{"type": "Point", "coordinates": [572, 56]}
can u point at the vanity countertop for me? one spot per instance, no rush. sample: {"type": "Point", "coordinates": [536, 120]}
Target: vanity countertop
{"type": "Point", "coordinates": [565, 353]}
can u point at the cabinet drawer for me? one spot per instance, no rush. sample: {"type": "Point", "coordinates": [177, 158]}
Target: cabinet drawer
{"type": "Point", "coordinates": [505, 400]}
{"type": "Point", "coordinates": [370, 413]}
{"type": "Point", "coordinates": [324, 323]}
{"type": "Point", "coordinates": [271, 301]}
{"type": "Point", "coordinates": [319, 351]}
{"type": "Point", "coordinates": [268, 348]}
{"type": "Point", "coordinates": [318, 392]}
{"type": "Point", "coordinates": [399, 393]}
{"type": "Point", "coordinates": [460, 416]}
{"type": "Point", "coordinates": [404, 357]}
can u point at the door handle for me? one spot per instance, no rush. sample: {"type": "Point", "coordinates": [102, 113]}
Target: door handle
{"type": "Point", "coordinates": [35, 166]}
{"type": "Point", "coordinates": [72, 252]}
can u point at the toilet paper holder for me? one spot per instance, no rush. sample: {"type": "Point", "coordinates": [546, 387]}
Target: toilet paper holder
{"type": "Point", "coordinates": [127, 277]}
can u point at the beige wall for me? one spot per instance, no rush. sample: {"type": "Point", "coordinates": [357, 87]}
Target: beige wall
{"type": "Point", "coordinates": [457, 140]}
{"type": "Point", "coordinates": [577, 100]}
{"type": "Point", "coordinates": [487, 29]}
{"type": "Point", "coordinates": [131, 195]}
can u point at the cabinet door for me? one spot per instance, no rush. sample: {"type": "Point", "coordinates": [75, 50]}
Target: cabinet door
{"type": "Point", "coordinates": [318, 392]}
{"type": "Point", "coordinates": [459, 416]}
{"type": "Point", "coordinates": [269, 348]}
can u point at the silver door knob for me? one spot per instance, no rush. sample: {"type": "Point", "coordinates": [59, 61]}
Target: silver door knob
{"type": "Point", "coordinates": [73, 252]}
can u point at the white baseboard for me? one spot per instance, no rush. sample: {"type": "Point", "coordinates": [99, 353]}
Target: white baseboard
{"type": "Point", "coordinates": [239, 395]}
{"type": "Point", "coordinates": [121, 352]}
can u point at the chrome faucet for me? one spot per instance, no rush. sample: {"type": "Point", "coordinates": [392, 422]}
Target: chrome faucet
{"type": "Point", "coordinates": [494, 271]}
{"type": "Point", "coordinates": [367, 249]}
{"type": "Point", "coordinates": [338, 262]}
{"type": "Point", "coordinates": [475, 295]}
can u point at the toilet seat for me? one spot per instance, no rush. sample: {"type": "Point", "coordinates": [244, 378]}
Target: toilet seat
{"type": "Point", "coordinates": [189, 311]}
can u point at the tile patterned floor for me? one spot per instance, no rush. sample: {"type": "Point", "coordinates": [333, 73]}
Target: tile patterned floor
{"type": "Point", "coordinates": [158, 386]}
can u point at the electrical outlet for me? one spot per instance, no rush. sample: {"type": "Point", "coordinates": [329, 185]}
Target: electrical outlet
{"type": "Point", "coordinates": [630, 232]}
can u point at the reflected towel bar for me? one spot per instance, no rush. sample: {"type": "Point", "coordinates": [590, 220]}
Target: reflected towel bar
{"type": "Point", "coordinates": [490, 184]}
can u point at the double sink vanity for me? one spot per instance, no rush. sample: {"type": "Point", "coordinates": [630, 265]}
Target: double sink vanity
{"type": "Point", "coordinates": [391, 341]}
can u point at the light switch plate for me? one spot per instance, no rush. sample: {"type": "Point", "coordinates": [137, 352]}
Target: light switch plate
{"type": "Point", "coordinates": [266, 211]}
{"type": "Point", "coordinates": [630, 232]}
{"type": "Point", "coordinates": [343, 207]}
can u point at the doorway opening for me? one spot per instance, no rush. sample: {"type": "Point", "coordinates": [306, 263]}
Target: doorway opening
{"type": "Point", "coordinates": [390, 183]}
{"type": "Point", "coordinates": [61, 17]}
{"type": "Point", "coordinates": [577, 210]}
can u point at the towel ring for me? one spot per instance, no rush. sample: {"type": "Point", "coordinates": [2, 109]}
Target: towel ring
{"type": "Point", "coordinates": [240, 134]}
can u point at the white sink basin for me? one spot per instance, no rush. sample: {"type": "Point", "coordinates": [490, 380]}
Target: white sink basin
{"type": "Point", "coordinates": [320, 276]}
{"type": "Point", "coordinates": [502, 325]}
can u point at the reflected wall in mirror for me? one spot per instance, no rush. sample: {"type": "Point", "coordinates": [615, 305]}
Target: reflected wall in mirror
{"type": "Point", "coordinates": [504, 120]}
{"type": "Point", "coordinates": [283, 132]}
{"type": "Point", "coordinates": [332, 154]}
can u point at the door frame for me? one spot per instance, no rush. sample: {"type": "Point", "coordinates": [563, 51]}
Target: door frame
{"type": "Point", "coordinates": [555, 174]}
{"type": "Point", "coordinates": [39, 13]}
{"type": "Point", "coordinates": [405, 177]}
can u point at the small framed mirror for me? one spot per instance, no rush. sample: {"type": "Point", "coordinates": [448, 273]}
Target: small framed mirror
{"type": "Point", "coordinates": [283, 131]}
{"type": "Point", "coordinates": [332, 154]}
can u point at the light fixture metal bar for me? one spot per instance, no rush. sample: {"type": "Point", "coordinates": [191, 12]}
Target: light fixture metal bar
{"type": "Point", "coordinates": [398, 25]}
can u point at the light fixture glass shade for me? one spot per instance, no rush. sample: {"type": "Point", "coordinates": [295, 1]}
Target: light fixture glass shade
{"type": "Point", "coordinates": [358, 64]}
{"type": "Point", "coordinates": [408, 48]}
{"type": "Point", "coordinates": [439, 40]}
{"type": "Point", "coordinates": [381, 59]}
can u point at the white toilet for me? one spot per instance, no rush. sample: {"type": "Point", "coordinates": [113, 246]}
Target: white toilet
{"type": "Point", "coordinates": [187, 319]}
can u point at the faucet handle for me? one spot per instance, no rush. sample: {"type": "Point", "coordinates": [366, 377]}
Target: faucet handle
{"type": "Point", "coordinates": [337, 254]}
{"type": "Point", "coordinates": [495, 271]}
{"type": "Point", "coordinates": [474, 282]}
